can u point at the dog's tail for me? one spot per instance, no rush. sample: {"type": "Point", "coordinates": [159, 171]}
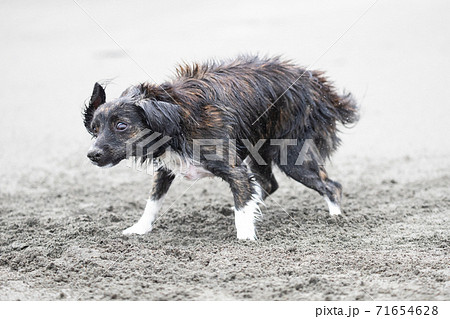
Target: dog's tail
{"type": "Point", "coordinates": [347, 109]}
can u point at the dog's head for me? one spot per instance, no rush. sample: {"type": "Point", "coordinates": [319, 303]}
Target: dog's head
{"type": "Point", "coordinates": [128, 126]}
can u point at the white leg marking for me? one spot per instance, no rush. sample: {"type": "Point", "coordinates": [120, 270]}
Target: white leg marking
{"type": "Point", "coordinates": [144, 225]}
{"type": "Point", "coordinates": [245, 222]}
{"type": "Point", "coordinates": [245, 218]}
{"type": "Point", "coordinates": [333, 208]}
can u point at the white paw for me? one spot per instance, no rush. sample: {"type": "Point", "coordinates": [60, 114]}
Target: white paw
{"type": "Point", "coordinates": [244, 220]}
{"type": "Point", "coordinates": [246, 236]}
{"type": "Point", "coordinates": [333, 208]}
{"type": "Point", "coordinates": [137, 229]}
{"type": "Point", "coordinates": [335, 211]}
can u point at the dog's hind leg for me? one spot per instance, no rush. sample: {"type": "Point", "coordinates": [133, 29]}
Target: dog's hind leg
{"type": "Point", "coordinates": [317, 179]}
{"type": "Point", "coordinates": [314, 176]}
{"type": "Point", "coordinates": [161, 183]}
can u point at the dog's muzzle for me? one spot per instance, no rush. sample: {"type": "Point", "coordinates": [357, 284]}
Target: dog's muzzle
{"type": "Point", "coordinates": [95, 154]}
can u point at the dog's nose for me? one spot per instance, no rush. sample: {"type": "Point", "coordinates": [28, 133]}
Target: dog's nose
{"type": "Point", "coordinates": [95, 155]}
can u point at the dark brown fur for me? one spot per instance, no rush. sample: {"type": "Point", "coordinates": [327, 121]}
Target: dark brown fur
{"type": "Point", "coordinates": [249, 98]}
{"type": "Point", "coordinates": [226, 99]}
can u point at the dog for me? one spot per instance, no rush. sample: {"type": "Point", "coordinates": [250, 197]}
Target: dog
{"type": "Point", "coordinates": [263, 111]}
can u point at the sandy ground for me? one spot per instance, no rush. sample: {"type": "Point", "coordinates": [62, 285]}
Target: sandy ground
{"type": "Point", "coordinates": [61, 218]}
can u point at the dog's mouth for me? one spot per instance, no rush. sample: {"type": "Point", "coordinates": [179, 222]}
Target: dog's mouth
{"type": "Point", "coordinates": [105, 164]}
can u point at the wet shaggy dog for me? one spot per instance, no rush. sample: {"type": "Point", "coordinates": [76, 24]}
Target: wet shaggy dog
{"type": "Point", "coordinates": [263, 112]}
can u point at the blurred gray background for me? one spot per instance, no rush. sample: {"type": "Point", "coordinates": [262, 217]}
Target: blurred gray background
{"type": "Point", "coordinates": [394, 59]}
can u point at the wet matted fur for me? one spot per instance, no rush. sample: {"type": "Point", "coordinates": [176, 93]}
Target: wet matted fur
{"type": "Point", "coordinates": [248, 103]}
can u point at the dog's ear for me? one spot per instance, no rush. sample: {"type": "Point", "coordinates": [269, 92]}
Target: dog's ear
{"type": "Point", "coordinates": [162, 117]}
{"type": "Point", "coordinates": [98, 98]}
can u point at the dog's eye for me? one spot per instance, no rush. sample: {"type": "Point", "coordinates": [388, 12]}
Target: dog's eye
{"type": "Point", "coordinates": [95, 130]}
{"type": "Point", "coordinates": [120, 126]}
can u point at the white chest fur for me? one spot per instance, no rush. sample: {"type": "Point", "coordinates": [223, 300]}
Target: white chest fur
{"type": "Point", "coordinates": [184, 167]}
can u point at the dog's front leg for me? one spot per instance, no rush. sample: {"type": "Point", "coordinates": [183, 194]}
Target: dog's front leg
{"type": "Point", "coordinates": [247, 197]}
{"type": "Point", "coordinates": [161, 183]}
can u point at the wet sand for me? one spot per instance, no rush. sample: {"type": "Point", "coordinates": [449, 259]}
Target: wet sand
{"type": "Point", "coordinates": [61, 218]}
